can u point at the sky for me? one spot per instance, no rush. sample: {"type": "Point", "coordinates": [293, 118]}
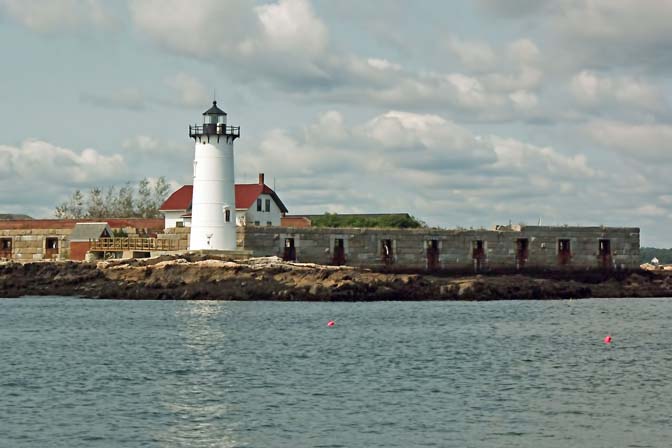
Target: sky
{"type": "Point", "coordinates": [468, 113]}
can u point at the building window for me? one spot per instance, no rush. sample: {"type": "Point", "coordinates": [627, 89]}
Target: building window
{"type": "Point", "coordinates": [258, 205]}
{"type": "Point", "coordinates": [51, 247]}
{"type": "Point", "coordinates": [256, 223]}
{"type": "Point", "coordinates": [268, 205]}
{"type": "Point", "coordinates": [179, 224]}
{"type": "Point", "coordinates": [269, 223]}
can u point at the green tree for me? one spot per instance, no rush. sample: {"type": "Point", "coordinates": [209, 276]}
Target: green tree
{"type": "Point", "coordinates": [396, 221]}
{"type": "Point", "coordinates": [126, 201]}
{"type": "Point", "coordinates": [145, 205]}
{"type": "Point", "coordinates": [96, 206]}
{"type": "Point", "coordinates": [73, 208]}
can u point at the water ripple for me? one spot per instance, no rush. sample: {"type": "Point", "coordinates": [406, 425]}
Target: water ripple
{"type": "Point", "coordinates": [79, 373]}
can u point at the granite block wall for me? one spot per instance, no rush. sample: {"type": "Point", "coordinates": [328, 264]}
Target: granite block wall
{"type": "Point", "coordinates": [504, 248]}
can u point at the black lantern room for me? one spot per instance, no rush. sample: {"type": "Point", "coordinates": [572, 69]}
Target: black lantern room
{"type": "Point", "coordinates": [214, 125]}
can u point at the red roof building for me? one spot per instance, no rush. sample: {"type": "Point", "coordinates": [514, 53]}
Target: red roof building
{"type": "Point", "coordinates": [256, 204]}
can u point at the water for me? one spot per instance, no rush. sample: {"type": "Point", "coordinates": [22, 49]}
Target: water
{"type": "Point", "coordinates": [84, 373]}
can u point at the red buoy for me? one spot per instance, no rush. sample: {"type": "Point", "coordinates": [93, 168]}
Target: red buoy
{"type": "Point", "coordinates": [331, 323]}
{"type": "Point", "coordinates": [607, 339]}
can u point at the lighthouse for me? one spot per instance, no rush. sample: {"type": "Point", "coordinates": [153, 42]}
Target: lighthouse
{"type": "Point", "coordinates": [213, 204]}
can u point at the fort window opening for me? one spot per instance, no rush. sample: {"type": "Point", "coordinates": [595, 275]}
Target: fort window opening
{"type": "Point", "coordinates": [5, 248]}
{"type": "Point", "coordinates": [605, 252]}
{"type": "Point", "coordinates": [268, 205]}
{"type": "Point", "coordinates": [522, 251]}
{"type": "Point", "coordinates": [478, 254]}
{"type": "Point", "coordinates": [258, 205]}
{"type": "Point", "coordinates": [386, 251]}
{"type": "Point", "coordinates": [339, 252]}
{"type": "Point", "coordinates": [51, 247]}
{"type": "Point", "coordinates": [289, 253]}
{"type": "Point", "coordinates": [432, 254]}
{"type": "Point", "coordinates": [564, 251]}
{"type": "Point", "coordinates": [605, 247]}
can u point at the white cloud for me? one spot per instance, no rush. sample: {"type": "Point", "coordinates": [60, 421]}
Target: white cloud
{"type": "Point", "coordinates": [283, 41]}
{"type": "Point", "coordinates": [599, 33]}
{"type": "Point", "coordinates": [42, 162]}
{"type": "Point", "coordinates": [127, 98]}
{"type": "Point", "coordinates": [597, 91]}
{"type": "Point", "coordinates": [142, 143]}
{"type": "Point", "coordinates": [650, 142]}
{"type": "Point", "coordinates": [651, 210]}
{"type": "Point", "coordinates": [383, 64]}
{"type": "Point", "coordinates": [523, 51]}
{"type": "Point", "coordinates": [60, 15]}
{"type": "Point", "coordinates": [426, 164]}
{"type": "Point", "coordinates": [473, 55]}
{"type": "Point", "coordinates": [285, 45]}
{"type": "Point", "coordinates": [290, 26]}
{"type": "Point", "coordinates": [524, 100]}
{"type": "Point", "coordinates": [210, 29]}
{"type": "Point", "coordinates": [540, 161]}
{"type": "Point", "coordinates": [189, 91]}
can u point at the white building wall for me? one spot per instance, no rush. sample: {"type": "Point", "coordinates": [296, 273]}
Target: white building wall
{"type": "Point", "coordinates": [172, 218]}
{"type": "Point", "coordinates": [263, 217]}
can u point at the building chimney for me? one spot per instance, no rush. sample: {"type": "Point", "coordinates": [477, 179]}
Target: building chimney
{"type": "Point", "coordinates": [261, 178]}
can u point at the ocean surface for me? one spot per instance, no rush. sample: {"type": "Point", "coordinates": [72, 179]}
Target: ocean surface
{"type": "Point", "coordinates": [98, 373]}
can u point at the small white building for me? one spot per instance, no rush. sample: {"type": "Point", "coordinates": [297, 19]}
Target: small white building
{"type": "Point", "coordinates": [256, 205]}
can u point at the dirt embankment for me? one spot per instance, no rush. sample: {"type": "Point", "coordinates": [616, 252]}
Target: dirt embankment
{"type": "Point", "coordinates": [197, 277]}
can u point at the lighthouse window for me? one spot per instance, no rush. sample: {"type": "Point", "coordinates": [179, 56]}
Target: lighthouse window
{"type": "Point", "coordinates": [258, 205]}
{"type": "Point", "coordinates": [227, 215]}
{"type": "Point", "coordinates": [268, 205]}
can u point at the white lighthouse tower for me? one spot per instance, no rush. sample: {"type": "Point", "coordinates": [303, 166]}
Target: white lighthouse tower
{"type": "Point", "coordinates": [213, 204]}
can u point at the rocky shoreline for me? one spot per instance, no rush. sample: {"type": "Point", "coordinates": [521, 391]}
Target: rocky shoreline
{"type": "Point", "coordinates": [193, 277]}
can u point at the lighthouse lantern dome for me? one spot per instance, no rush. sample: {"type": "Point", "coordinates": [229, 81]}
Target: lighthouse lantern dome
{"type": "Point", "coordinates": [214, 115]}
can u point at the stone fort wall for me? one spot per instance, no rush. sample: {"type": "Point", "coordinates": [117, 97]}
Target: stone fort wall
{"type": "Point", "coordinates": [534, 247]}
{"type": "Point", "coordinates": [540, 247]}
